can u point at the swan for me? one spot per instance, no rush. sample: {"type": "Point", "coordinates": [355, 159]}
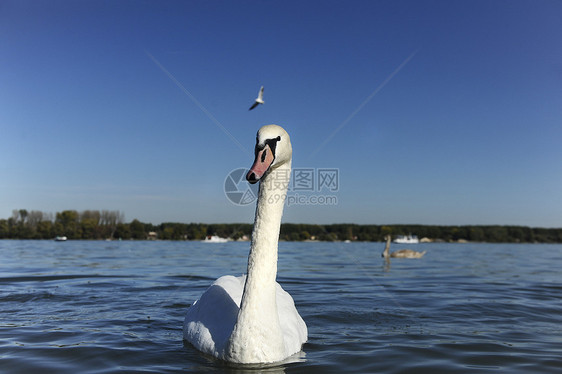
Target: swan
{"type": "Point", "coordinates": [250, 319]}
{"type": "Point", "coordinates": [401, 253]}
{"type": "Point", "coordinates": [259, 99]}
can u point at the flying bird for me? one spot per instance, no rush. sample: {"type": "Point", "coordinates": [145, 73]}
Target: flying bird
{"type": "Point", "coordinates": [259, 99]}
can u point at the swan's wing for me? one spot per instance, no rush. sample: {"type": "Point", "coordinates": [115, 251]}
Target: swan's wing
{"type": "Point", "coordinates": [210, 320]}
{"type": "Point", "coordinates": [254, 105]}
{"type": "Point", "coordinates": [293, 326]}
{"type": "Point", "coordinates": [407, 253]}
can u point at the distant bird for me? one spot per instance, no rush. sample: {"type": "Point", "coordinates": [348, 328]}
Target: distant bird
{"type": "Point", "coordinates": [259, 99]}
{"type": "Point", "coordinates": [401, 253]}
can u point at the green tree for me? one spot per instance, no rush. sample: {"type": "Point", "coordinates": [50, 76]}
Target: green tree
{"type": "Point", "coordinates": [90, 229]}
{"type": "Point", "coordinates": [45, 230]}
{"type": "Point", "coordinates": [168, 233]}
{"type": "Point", "coordinates": [497, 234]}
{"type": "Point", "coordinates": [137, 230]}
{"type": "Point", "coordinates": [476, 234]}
{"type": "Point", "coordinates": [68, 224]}
{"type": "Point", "coordinates": [122, 231]}
{"type": "Point", "coordinates": [4, 229]}
{"type": "Point", "coordinates": [385, 230]}
{"type": "Point", "coordinates": [23, 215]}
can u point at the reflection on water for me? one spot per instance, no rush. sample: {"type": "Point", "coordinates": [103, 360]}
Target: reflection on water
{"type": "Point", "coordinates": [119, 306]}
{"type": "Point", "coordinates": [273, 368]}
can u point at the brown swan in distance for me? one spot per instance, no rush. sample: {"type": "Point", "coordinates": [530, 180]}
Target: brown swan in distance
{"type": "Point", "coordinates": [401, 253]}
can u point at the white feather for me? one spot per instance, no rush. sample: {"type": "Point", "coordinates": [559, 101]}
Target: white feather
{"type": "Point", "coordinates": [251, 319]}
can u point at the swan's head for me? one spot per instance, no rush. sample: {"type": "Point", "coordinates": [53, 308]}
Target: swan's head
{"type": "Point", "coordinates": [273, 148]}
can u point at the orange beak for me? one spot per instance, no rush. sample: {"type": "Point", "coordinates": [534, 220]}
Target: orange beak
{"type": "Point", "coordinates": [264, 159]}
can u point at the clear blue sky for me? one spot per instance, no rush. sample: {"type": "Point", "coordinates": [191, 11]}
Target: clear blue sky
{"type": "Point", "coordinates": [449, 112]}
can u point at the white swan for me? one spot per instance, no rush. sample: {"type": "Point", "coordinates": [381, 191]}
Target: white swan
{"type": "Point", "coordinates": [259, 99]}
{"type": "Point", "coordinates": [251, 319]}
{"type": "Point", "coordinates": [401, 253]}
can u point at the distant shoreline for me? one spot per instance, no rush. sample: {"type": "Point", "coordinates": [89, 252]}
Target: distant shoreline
{"type": "Point", "coordinates": [109, 225]}
{"type": "Point", "coordinates": [461, 242]}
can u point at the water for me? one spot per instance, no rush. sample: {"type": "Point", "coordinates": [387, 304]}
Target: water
{"type": "Point", "coordinates": [114, 307]}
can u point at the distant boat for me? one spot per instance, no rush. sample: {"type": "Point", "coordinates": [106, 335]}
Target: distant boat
{"type": "Point", "coordinates": [214, 239]}
{"type": "Point", "coordinates": [407, 239]}
{"type": "Point", "coordinates": [61, 238]}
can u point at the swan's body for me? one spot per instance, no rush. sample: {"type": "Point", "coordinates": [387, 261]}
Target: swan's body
{"type": "Point", "coordinates": [401, 253]}
{"type": "Point", "coordinates": [259, 99]}
{"type": "Point", "coordinates": [251, 319]}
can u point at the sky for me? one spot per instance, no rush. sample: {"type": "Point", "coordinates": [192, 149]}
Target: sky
{"type": "Point", "coordinates": [427, 112]}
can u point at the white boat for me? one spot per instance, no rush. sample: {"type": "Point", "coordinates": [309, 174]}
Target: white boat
{"type": "Point", "coordinates": [407, 239]}
{"type": "Point", "coordinates": [214, 239]}
{"type": "Point", "coordinates": [61, 238]}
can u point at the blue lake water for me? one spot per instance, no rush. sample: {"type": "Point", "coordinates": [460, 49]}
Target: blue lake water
{"type": "Point", "coordinates": [115, 307]}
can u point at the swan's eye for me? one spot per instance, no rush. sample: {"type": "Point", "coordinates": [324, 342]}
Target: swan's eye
{"type": "Point", "coordinates": [263, 155]}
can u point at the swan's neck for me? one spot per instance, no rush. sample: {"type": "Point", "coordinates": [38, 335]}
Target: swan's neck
{"type": "Point", "coordinates": [386, 247]}
{"type": "Point", "coordinates": [262, 261]}
{"type": "Point", "coordinates": [258, 319]}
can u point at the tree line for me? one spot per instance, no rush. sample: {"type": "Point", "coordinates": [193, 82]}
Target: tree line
{"type": "Point", "coordinates": [105, 224]}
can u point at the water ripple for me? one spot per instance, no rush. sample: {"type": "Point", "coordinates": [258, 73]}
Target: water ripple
{"type": "Point", "coordinates": [120, 308]}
